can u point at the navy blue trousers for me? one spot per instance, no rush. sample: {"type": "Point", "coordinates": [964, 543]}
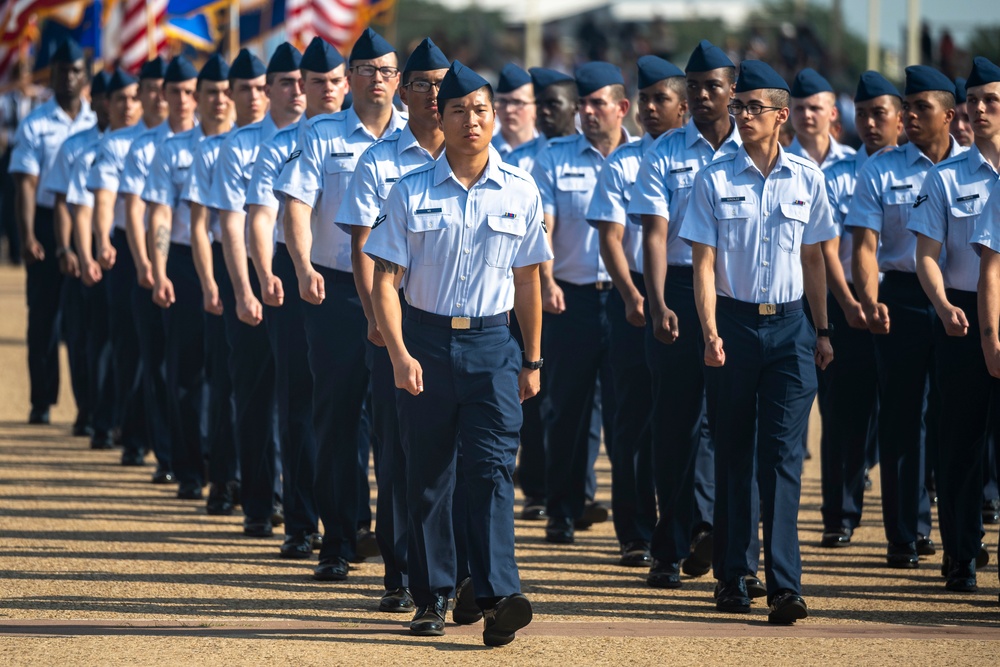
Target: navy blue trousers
{"type": "Point", "coordinates": [633, 494]}
{"type": "Point", "coordinates": [251, 370]}
{"type": "Point", "coordinates": [849, 406]}
{"type": "Point", "coordinates": [576, 345]}
{"type": "Point", "coordinates": [88, 343]}
{"type": "Point", "coordinates": [221, 448]}
{"type": "Point", "coordinates": [73, 325]}
{"type": "Point", "coordinates": [970, 406]}
{"type": "Point", "coordinates": [759, 403]}
{"type": "Point", "coordinates": [904, 358]}
{"type": "Point", "coordinates": [185, 359]}
{"type": "Point", "coordinates": [44, 288]}
{"type": "Point", "coordinates": [531, 457]}
{"type": "Point", "coordinates": [128, 369]}
{"type": "Point", "coordinates": [469, 405]}
{"type": "Point", "coordinates": [336, 331]}
{"type": "Point", "coordinates": [150, 328]}
{"type": "Point", "coordinates": [294, 388]}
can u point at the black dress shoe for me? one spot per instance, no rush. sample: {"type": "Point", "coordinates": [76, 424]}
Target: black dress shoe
{"type": "Point", "coordinates": [786, 608]}
{"type": "Point", "coordinates": [102, 441]}
{"type": "Point", "coordinates": [962, 577]}
{"type": "Point", "coordinates": [298, 546]}
{"type": "Point", "coordinates": [925, 546]}
{"type": "Point", "coordinates": [755, 587]}
{"type": "Point", "coordinates": [982, 560]}
{"type": "Point", "coordinates": [836, 538]}
{"type": "Point", "coordinates": [367, 546]}
{"type": "Point", "coordinates": [258, 527]}
{"type": "Point", "coordinates": [902, 556]}
{"type": "Point", "coordinates": [699, 562]}
{"type": "Point", "coordinates": [396, 601]}
{"type": "Point", "coordinates": [732, 597]}
{"type": "Point", "coordinates": [133, 458]}
{"type": "Point", "coordinates": [429, 618]}
{"type": "Point", "coordinates": [534, 509]}
{"type": "Point", "coordinates": [559, 530]}
{"type": "Point", "coordinates": [466, 611]}
{"type": "Point", "coordinates": [41, 417]}
{"type": "Point", "coordinates": [334, 569]}
{"type": "Point", "coordinates": [162, 476]}
{"type": "Point", "coordinates": [504, 620]}
{"type": "Point", "coordinates": [593, 512]}
{"type": "Point", "coordinates": [278, 514]}
{"type": "Point", "coordinates": [635, 554]}
{"type": "Point", "coordinates": [220, 500]}
{"type": "Point", "coordinates": [991, 511]}
{"type": "Point", "coordinates": [317, 540]}
{"type": "Point", "coordinates": [664, 575]}
{"type": "Point", "coordinates": [189, 491]}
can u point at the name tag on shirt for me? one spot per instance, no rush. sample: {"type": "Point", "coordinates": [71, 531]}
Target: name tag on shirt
{"type": "Point", "coordinates": [341, 154]}
{"type": "Point", "coordinates": [731, 200]}
{"type": "Point", "coordinates": [391, 180]}
{"type": "Point", "coordinates": [681, 170]}
{"type": "Point", "coordinates": [427, 211]}
{"type": "Point", "coordinates": [574, 174]}
{"type": "Point", "coordinates": [905, 186]}
{"type": "Point", "coordinates": [968, 198]}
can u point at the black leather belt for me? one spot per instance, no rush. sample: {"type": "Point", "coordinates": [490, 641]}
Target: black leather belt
{"type": "Point", "coordinates": [459, 323]}
{"type": "Point", "coordinates": [747, 308]}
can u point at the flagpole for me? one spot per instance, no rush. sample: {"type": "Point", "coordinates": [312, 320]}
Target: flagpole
{"type": "Point", "coordinates": [150, 32]}
{"type": "Point", "coordinates": [234, 28]}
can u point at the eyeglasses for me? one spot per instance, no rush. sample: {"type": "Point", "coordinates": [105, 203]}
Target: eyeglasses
{"type": "Point", "coordinates": [514, 105]}
{"type": "Point", "coordinates": [753, 109]}
{"type": "Point", "coordinates": [423, 86]}
{"type": "Point", "coordinates": [369, 70]}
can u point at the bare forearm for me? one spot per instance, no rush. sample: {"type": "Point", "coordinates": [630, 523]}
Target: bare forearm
{"type": "Point", "coordinates": [201, 246]}
{"type": "Point", "coordinates": [298, 233]}
{"type": "Point", "coordinates": [613, 254]}
{"type": "Point", "coordinates": [865, 266]}
{"type": "Point", "coordinates": [26, 191]}
{"type": "Point", "coordinates": [83, 233]}
{"type": "Point", "coordinates": [158, 239]}
{"type": "Point", "coordinates": [387, 308]}
{"type": "Point", "coordinates": [654, 260]}
{"type": "Point", "coordinates": [929, 272]}
{"type": "Point", "coordinates": [262, 240]}
{"type": "Point", "coordinates": [135, 230]}
{"type": "Point", "coordinates": [64, 223]}
{"type": "Point", "coordinates": [528, 308]}
{"type": "Point", "coordinates": [989, 297]}
{"type": "Point", "coordinates": [814, 284]}
{"type": "Point", "coordinates": [234, 250]}
{"type": "Point", "coordinates": [836, 282]}
{"type": "Point", "coordinates": [363, 268]}
{"type": "Point", "coordinates": [704, 289]}
{"type": "Point", "coordinates": [104, 214]}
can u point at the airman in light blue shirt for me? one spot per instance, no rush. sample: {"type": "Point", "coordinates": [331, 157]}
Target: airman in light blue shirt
{"type": "Point", "coordinates": [814, 108]}
{"type": "Point", "coordinates": [556, 104]}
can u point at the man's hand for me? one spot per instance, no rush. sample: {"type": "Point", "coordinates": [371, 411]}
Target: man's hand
{"type": "Point", "coordinates": [824, 352]}
{"type": "Point", "coordinates": [312, 287]}
{"type": "Point", "coordinates": [249, 310]}
{"type": "Point", "coordinates": [715, 355]}
{"type": "Point", "coordinates": [529, 383]}
{"type": "Point", "coordinates": [163, 293]}
{"type": "Point", "coordinates": [210, 299]}
{"type": "Point", "coordinates": [32, 251]}
{"type": "Point", "coordinates": [855, 315]}
{"type": "Point", "coordinates": [877, 317]}
{"type": "Point", "coordinates": [374, 335]}
{"type": "Point", "coordinates": [91, 273]}
{"type": "Point", "coordinates": [409, 375]}
{"type": "Point", "coordinates": [106, 255]}
{"type": "Point", "coordinates": [954, 320]}
{"type": "Point", "coordinates": [553, 300]}
{"type": "Point", "coordinates": [144, 275]}
{"type": "Point", "coordinates": [634, 311]}
{"type": "Point", "coordinates": [272, 291]}
{"type": "Point", "coordinates": [665, 327]}
{"type": "Point", "coordinates": [69, 264]}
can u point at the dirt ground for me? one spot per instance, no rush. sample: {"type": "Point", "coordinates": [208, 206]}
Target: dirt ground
{"type": "Point", "coordinates": [100, 567]}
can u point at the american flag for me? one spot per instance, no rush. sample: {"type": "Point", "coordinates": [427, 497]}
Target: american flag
{"type": "Point", "coordinates": [336, 21]}
{"type": "Point", "coordinates": [17, 17]}
{"type": "Point", "coordinates": [137, 18]}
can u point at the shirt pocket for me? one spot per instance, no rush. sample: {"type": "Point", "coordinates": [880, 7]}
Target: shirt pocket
{"type": "Point", "coordinates": [734, 225]}
{"type": "Point", "coordinates": [385, 188]}
{"type": "Point", "coordinates": [502, 240]}
{"type": "Point", "coordinates": [339, 168]}
{"type": "Point", "coordinates": [179, 176]}
{"type": "Point", "coordinates": [897, 205]}
{"type": "Point", "coordinates": [962, 217]}
{"type": "Point", "coordinates": [573, 192]}
{"type": "Point", "coordinates": [791, 223]}
{"type": "Point", "coordinates": [429, 237]}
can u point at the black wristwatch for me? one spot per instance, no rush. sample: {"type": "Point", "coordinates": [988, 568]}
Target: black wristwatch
{"type": "Point", "coordinates": [61, 252]}
{"type": "Point", "coordinates": [825, 333]}
{"type": "Point", "coordinates": [532, 365]}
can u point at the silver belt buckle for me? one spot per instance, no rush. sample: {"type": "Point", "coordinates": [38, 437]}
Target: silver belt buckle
{"type": "Point", "coordinates": [767, 308]}
{"type": "Point", "coordinates": [461, 323]}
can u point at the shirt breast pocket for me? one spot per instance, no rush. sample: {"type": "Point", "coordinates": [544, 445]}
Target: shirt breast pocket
{"type": "Point", "coordinates": [897, 205]}
{"type": "Point", "coordinates": [385, 188]}
{"type": "Point", "coordinates": [338, 172]}
{"type": "Point", "coordinates": [962, 218]}
{"type": "Point", "coordinates": [179, 177]}
{"type": "Point", "coordinates": [573, 192]}
{"type": "Point", "coordinates": [502, 240]}
{"type": "Point", "coordinates": [680, 180]}
{"type": "Point", "coordinates": [791, 224]}
{"type": "Point", "coordinates": [734, 225]}
{"type": "Point", "coordinates": [429, 236]}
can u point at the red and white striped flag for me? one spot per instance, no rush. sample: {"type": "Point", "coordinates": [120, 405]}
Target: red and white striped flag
{"type": "Point", "coordinates": [138, 17]}
{"type": "Point", "coordinates": [16, 17]}
{"type": "Point", "coordinates": [336, 21]}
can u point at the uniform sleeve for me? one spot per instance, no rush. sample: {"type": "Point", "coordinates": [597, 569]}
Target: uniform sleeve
{"type": "Point", "coordinates": [833, 195]}
{"type": "Point", "coordinates": [229, 189]}
{"type": "Point", "coordinates": [650, 195]}
{"type": "Point", "coordinates": [930, 212]}
{"type": "Point", "coordinates": [26, 156]}
{"type": "Point", "coordinates": [302, 175]}
{"type": "Point", "coordinates": [105, 173]}
{"type": "Point", "coordinates": [158, 186]}
{"type": "Point", "coordinates": [821, 226]}
{"type": "Point", "coordinates": [987, 230]}
{"type": "Point", "coordinates": [699, 224]}
{"type": "Point", "coordinates": [265, 172]}
{"type": "Point", "coordinates": [608, 202]}
{"type": "Point", "coordinates": [198, 184]}
{"type": "Point", "coordinates": [57, 178]}
{"type": "Point", "coordinates": [76, 191]}
{"type": "Point", "coordinates": [361, 204]}
{"type": "Point", "coordinates": [866, 205]}
{"type": "Point", "coordinates": [534, 248]}
{"type": "Point", "coordinates": [544, 174]}
{"type": "Point", "coordinates": [136, 171]}
{"type": "Point", "coordinates": [388, 239]}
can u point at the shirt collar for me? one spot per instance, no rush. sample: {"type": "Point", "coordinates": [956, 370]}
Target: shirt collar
{"type": "Point", "coordinates": [743, 162]}
{"type": "Point", "coordinates": [63, 117]}
{"type": "Point", "coordinates": [406, 141]}
{"type": "Point", "coordinates": [976, 161]}
{"type": "Point", "coordinates": [583, 144]}
{"type": "Point", "coordinates": [354, 124]}
{"type": "Point", "coordinates": [442, 169]}
{"type": "Point", "coordinates": [694, 135]}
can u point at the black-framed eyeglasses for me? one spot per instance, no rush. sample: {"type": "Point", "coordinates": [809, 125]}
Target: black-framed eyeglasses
{"type": "Point", "coordinates": [514, 105]}
{"type": "Point", "coordinates": [423, 86]}
{"type": "Point", "coordinates": [753, 109]}
{"type": "Point", "coordinates": [369, 70]}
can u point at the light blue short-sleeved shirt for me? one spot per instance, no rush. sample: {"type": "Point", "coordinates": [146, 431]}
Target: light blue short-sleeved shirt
{"type": "Point", "coordinates": [837, 152]}
{"type": "Point", "coordinates": [952, 200]}
{"type": "Point", "coordinates": [235, 163]}
{"type": "Point", "coordinates": [758, 225]}
{"type": "Point", "coordinates": [272, 157]}
{"type": "Point", "coordinates": [38, 139]}
{"type": "Point", "coordinates": [168, 175]}
{"type": "Point", "coordinates": [140, 157]}
{"type": "Point", "coordinates": [841, 179]}
{"type": "Point", "coordinates": [614, 190]}
{"type": "Point", "coordinates": [524, 156]}
{"type": "Point", "coordinates": [57, 179]}
{"type": "Point", "coordinates": [887, 188]}
{"type": "Point", "coordinates": [459, 246]}
{"type": "Point", "coordinates": [987, 230]}
{"type": "Point", "coordinates": [566, 172]}
{"type": "Point", "coordinates": [666, 176]}
{"type": "Point", "coordinates": [502, 146]}
{"type": "Point", "coordinates": [109, 163]}
{"type": "Point", "coordinates": [320, 174]}
{"type": "Point", "coordinates": [378, 169]}
{"type": "Point", "coordinates": [77, 193]}
{"type": "Point", "coordinates": [198, 186]}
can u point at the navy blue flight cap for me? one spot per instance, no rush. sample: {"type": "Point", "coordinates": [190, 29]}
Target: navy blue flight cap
{"type": "Point", "coordinates": [596, 75]}
{"type": "Point", "coordinates": [960, 87]}
{"type": "Point", "coordinates": [706, 57]}
{"type": "Point", "coordinates": [286, 58]}
{"type": "Point", "coordinates": [120, 79]}
{"type": "Point", "coordinates": [983, 72]}
{"type": "Point", "coordinates": [512, 77]}
{"type": "Point", "coordinates": [809, 82]}
{"type": "Point", "coordinates": [180, 69]}
{"type": "Point", "coordinates": [542, 78]}
{"type": "Point", "coordinates": [215, 69]}
{"type": "Point", "coordinates": [321, 57]}
{"type": "Point", "coordinates": [99, 84]}
{"type": "Point", "coordinates": [653, 70]}
{"type": "Point", "coordinates": [246, 65]}
{"type": "Point", "coordinates": [872, 85]}
{"type": "Point", "coordinates": [370, 45]}
{"type": "Point", "coordinates": [459, 82]}
{"type": "Point", "coordinates": [756, 75]}
{"type": "Point", "coordinates": [68, 51]}
{"type": "Point", "coordinates": [426, 57]}
{"type": "Point", "coordinates": [921, 79]}
{"type": "Point", "coordinates": [154, 69]}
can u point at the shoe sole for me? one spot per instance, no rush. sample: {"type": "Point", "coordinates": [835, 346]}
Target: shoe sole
{"type": "Point", "coordinates": [395, 609]}
{"type": "Point", "coordinates": [656, 582]}
{"type": "Point", "coordinates": [329, 577]}
{"type": "Point", "coordinates": [426, 633]}
{"type": "Point", "coordinates": [294, 555]}
{"type": "Point", "coordinates": [511, 617]}
{"type": "Point", "coordinates": [961, 588]}
{"type": "Point", "coordinates": [788, 614]}
{"type": "Point", "coordinates": [694, 568]}
{"type": "Point", "coordinates": [756, 590]}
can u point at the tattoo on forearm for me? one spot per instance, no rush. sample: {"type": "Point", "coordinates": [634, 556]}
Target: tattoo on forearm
{"type": "Point", "coordinates": [990, 332]}
{"type": "Point", "coordinates": [163, 241]}
{"type": "Point", "coordinates": [385, 266]}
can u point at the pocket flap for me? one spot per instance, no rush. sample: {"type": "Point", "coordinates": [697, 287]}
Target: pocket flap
{"type": "Point", "coordinates": [507, 225]}
{"type": "Point", "coordinates": [795, 211]}
{"type": "Point", "coordinates": [427, 222]}
{"type": "Point", "coordinates": [339, 163]}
